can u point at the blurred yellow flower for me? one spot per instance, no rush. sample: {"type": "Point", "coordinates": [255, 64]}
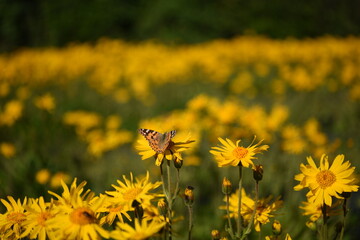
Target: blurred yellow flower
{"type": "Point", "coordinates": [12, 112]}
{"type": "Point", "coordinates": [8, 150]}
{"type": "Point", "coordinates": [4, 89]}
{"type": "Point", "coordinates": [57, 178]}
{"type": "Point", "coordinates": [113, 122]}
{"type": "Point", "coordinates": [141, 231]}
{"type": "Point", "coordinates": [42, 176]}
{"type": "Point", "coordinates": [315, 212]}
{"type": "Point", "coordinates": [23, 93]}
{"type": "Point", "coordinates": [326, 181]}
{"type": "Point", "coordinates": [313, 133]}
{"type": "Point", "coordinates": [230, 154]}
{"type": "Point", "coordinates": [45, 102]}
{"type": "Point", "coordinates": [264, 209]}
{"type": "Point", "coordinates": [293, 141]}
{"type": "Point", "coordinates": [82, 120]}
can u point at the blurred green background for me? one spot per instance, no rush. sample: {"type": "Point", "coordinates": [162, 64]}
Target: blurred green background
{"type": "Point", "coordinates": [78, 78]}
{"type": "Point", "coordinates": [56, 23]}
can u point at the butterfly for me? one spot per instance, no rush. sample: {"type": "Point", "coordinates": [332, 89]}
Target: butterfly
{"type": "Point", "coordinates": [157, 141]}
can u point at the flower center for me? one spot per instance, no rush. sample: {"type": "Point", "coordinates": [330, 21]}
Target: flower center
{"type": "Point", "coordinates": [240, 152]}
{"type": "Point", "coordinates": [43, 217]}
{"type": "Point", "coordinates": [132, 193]}
{"type": "Point", "coordinates": [16, 217]}
{"type": "Point", "coordinates": [82, 216]}
{"type": "Point", "coordinates": [325, 178]}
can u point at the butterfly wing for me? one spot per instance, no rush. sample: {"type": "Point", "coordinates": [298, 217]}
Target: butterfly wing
{"type": "Point", "coordinates": [157, 141]}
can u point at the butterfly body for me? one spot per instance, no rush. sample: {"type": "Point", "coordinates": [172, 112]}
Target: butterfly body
{"type": "Point", "coordinates": [157, 141]}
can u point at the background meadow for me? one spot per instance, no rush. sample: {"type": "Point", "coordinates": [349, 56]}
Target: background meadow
{"type": "Point", "coordinates": [73, 109]}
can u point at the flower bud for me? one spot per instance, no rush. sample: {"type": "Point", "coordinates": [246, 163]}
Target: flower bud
{"type": "Point", "coordinates": [226, 186]}
{"type": "Point", "coordinates": [162, 206]}
{"type": "Point", "coordinates": [311, 225]}
{"type": "Point", "coordinates": [178, 162]}
{"type": "Point", "coordinates": [276, 228]}
{"type": "Point", "coordinates": [189, 195]}
{"type": "Point", "coordinates": [215, 234]}
{"type": "Point", "coordinates": [258, 172]}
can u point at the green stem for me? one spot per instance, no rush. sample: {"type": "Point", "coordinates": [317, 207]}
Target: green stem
{"type": "Point", "coordinates": [169, 197]}
{"type": "Point", "coordinates": [190, 221]}
{"type": "Point", "coordinates": [177, 184]}
{"type": "Point", "coordinates": [163, 183]}
{"type": "Point", "coordinates": [324, 227]}
{"type": "Point", "coordinates": [239, 203]}
{"type": "Point", "coordinates": [344, 216]}
{"type": "Point", "coordinates": [260, 232]}
{"type": "Point", "coordinates": [228, 216]}
{"type": "Point", "coordinates": [248, 228]}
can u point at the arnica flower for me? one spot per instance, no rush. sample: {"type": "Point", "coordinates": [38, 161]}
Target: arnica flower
{"type": "Point", "coordinates": [264, 209]}
{"type": "Point", "coordinates": [141, 230]}
{"type": "Point", "coordinates": [315, 212]}
{"type": "Point", "coordinates": [8, 150]}
{"type": "Point", "coordinates": [230, 154]}
{"type": "Point", "coordinates": [11, 222]}
{"type": "Point", "coordinates": [76, 216]}
{"type": "Point", "coordinates": [45, 102]}
{"type": "Point", "coordinates": [36, 224]}
{"type": "Point", "coordinates": [326, 181]}
{"type": "Point", "coordinates": [130, 190]}
{"type": "Point", "coordinates": [178, 144]}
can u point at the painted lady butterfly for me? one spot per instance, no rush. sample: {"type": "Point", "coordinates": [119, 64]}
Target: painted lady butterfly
{"type": "Point", "coordinates": [157, 141]}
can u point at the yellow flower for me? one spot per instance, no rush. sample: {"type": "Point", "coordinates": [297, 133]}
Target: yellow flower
{"type": "Point", "coordinates": [45, 102]}
{"type": "Point", "coordinates": [12, 112]}
{"type": "Point", "coordinates": [326, 181]}
{"type": "Point", "coordinates": [82, 120]}
{"type": "Point", "coordinates": [76, 217]}
{"type": "Point", "coordinates": [57, 178]}
{"type": "Point", "coordinates": [11, 223]}
{"type": "Point", "coordinates": [128, 191]}
{"type": "Point", "coordinates": [36, 225]}
{"type": "Point", "coordinates": [264, 209]}
{"type": "Point", "coordinates": [315, 212]}
{"type": "Point", "coordinates": [178, 144]}
{"type": "Point", "coordinates": [42, 176]}
{"type": "Point", "coordinates": [7, 149]}
{"type": "Point", "coordinates": [230, 154]}
{"type": "Point", "coordinates": [141, 230]}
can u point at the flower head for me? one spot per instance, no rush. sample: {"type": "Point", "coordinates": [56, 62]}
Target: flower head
{"type": "Point", "coordinates": [36, 224]}
{"type": "Point", "coordinates": [176, 145]}
{"type": "Point", "coordinates": [315, 211]}
{"type": "Point", "coordinates": [264, 208]}
{"type": "Point", "coordinates": [45, 102]}
{"type": "Point", "coordinates": [76, 216]}
{"type": "Point", "coordinates": [230, 154]}
{"type": "Point", "coordinates": [11, 223]}
{"type": "Point", "coordinates": [130, 190]}
{"type": "Point", "coordinates": [326, 181]}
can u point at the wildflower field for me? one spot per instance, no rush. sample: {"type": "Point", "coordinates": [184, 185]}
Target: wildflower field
{"type": "Point", "coordinates": [268, 125]}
